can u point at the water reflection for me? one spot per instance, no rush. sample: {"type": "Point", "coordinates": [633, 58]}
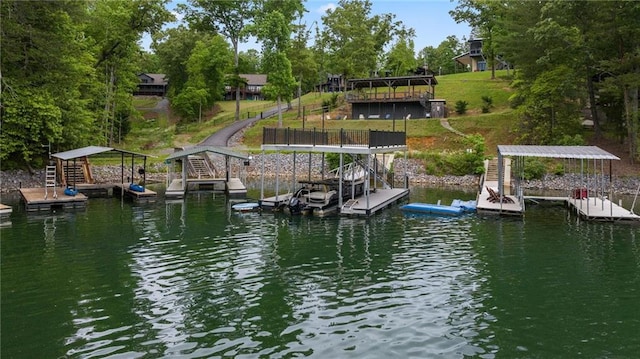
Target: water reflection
{"type": "Point", "coordinates": [194, 279]}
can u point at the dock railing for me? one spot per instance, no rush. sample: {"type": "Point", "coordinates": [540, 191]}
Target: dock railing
{"type": "Point", "coordinates": [333, 137]}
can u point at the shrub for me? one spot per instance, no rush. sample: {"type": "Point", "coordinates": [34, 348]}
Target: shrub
{"type": "Point", "coordinates": [461, 107]}
{"type": "Point", "coordinates": [487, 104]}
{"type": "Point", "coordinates": [533, 168]}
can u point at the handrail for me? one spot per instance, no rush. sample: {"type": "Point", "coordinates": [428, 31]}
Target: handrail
{"type": "Point", "coordinates": [332, 137]}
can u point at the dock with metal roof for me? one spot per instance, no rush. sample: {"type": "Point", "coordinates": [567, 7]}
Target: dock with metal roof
{"type": "Point", "coordinates": [197, 171]}
{"type": "Point", "coordinates": [592, 198]}
{"type": "Point", "coordinates": [362, 145]}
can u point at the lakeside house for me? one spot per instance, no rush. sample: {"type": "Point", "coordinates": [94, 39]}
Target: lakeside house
{"type": "Point", "coordinates": [151, 85]}
{"type": "Point", "coordinates": [475, 59]}
{"type": "Point", "coordinates": [250, 90]}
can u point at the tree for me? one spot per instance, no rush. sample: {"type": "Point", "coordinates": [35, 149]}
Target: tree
{"type": "Point", "coordinates": [47, 80]}
{"type": "Point", "coordinates": [303, 64]}
{"type": "Point", "coordinates": [173, 47]}
{"type": "Point", "coordinates": [249, 62]}
{"type": "Point", "coordinates": [354, 41]}
{"type": "Point", "coordinates": [401, 58]}
{"type": "Point", "coordinates": [206, 77]}
{"type": "Point", "coordinates": [226, 17]}
{"type": "Point", "coordinates": [273, 28]}
{"type": "Point", "coordinates": [482, 15]}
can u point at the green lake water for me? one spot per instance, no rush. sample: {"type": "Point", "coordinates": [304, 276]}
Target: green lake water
{"type": "Point", "coordinates": [192, 279]}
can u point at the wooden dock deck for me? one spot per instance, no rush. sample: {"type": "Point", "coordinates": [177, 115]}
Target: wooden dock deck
{"type": "Point", "coordinates": [275, 202]}
{"type": "Point", "coordinates": [140, 197]}
{"type": "Point", "coordinates": [599, 209]}
{"type": "Point", "coordinates": [34, 199]}
{"type": "Point", "coordinates": [5, 211]}
{"type": "Point", "coordinates": [378, 200]}
{"type": "Point", "coordinates": [487, 207]}
{"type": "Point", "coordinates": [174, 190]}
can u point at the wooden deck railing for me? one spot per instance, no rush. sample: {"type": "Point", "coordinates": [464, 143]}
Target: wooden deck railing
{"type": "Point", "coordinates": [341, 137]}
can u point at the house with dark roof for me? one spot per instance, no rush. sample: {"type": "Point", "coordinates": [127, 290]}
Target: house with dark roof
{"type": "Point", "coordinates": [251, 89]}
{"type": "Point", "coordinates": [151, 85]}
{"type": "Point", "coordinates": [475, 59]}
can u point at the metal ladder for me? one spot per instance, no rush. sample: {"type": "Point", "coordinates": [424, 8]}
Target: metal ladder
{"type": "Point", "coordinates": [349, 204]}
{"type": "Point", "coordinates": [50, 181]}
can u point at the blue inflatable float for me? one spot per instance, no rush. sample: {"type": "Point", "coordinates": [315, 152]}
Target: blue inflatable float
{"type": "Point", "coordinates": [136, 187]}
{"type": "Point", "coordinates": [69, 191]}
{"type": "Point", "coordinates": [456, 208]}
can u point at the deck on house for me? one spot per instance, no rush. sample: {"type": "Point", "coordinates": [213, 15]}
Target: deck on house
{"type": "Point", "coordinates": [35, 199]}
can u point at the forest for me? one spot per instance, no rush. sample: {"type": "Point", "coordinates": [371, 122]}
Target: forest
{"type": "Point", "coordinates": [69, 68]}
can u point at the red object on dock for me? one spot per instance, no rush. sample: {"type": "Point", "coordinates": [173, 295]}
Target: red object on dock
{"type": "Point", "coordinates": [580, 193]}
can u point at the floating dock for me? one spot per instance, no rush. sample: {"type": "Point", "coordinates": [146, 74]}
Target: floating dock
{"type": "Point", "coordinates": [139, 197]}
{"type": "Point", "coordinates": [601, 210]}
{"type": "Point", "coordinates": [198, 172]}
{"type": "Point", "coordinates": [590, 199]}
{"type": "Point", "coordinates": [374, 202]}
{"type": "Point", "coordinates": [363, 149]}
{"type": "Point", "coordinates": [5, 211]}
{"type": "Point", "coordinates": [35, 200]}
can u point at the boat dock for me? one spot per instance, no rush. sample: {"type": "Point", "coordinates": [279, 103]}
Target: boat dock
{"type": "Point", "coordinates": [37, 199]}
{"type": "Point", "coordinates": [5, 211]}
{"type": "Point", "coordinates": [367, 205]}
{"type": "Point", "coordinates": [145, 196]}
{"type": "Point", "coordinates": [197, 172]}
{"type": "Point", "coordinates": [590, 198]}
{"type": "Point", "coordinates": [360, 169]}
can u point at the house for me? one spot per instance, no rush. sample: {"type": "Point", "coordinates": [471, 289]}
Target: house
{"type": "Point", "coordinates": [475, 59]}
{"type": "Point", "coordinates": [151, 85]}
{"type": "Point", "coordinates": [334, 83]}
{"type": "Point", "coordinates": [252, 89]}
{"type": "Point", "coordinates": [397, 97]}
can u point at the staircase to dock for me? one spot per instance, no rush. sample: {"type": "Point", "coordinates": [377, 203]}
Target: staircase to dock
{"type": "Point", "coordinates": [200, 167]}
{"type": "Point", "coordinates": [74, 173]}
{"type": "Point", "coordinates": [491, 173]}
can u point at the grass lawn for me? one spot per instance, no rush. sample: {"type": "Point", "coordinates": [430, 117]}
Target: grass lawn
{"type": "Point", "coordinates": [156, 132]}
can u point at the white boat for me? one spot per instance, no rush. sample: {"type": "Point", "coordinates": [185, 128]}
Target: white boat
{"type": "Point", "coordinates": [322, 197]}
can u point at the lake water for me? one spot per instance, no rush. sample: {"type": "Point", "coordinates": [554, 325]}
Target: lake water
{"type": "Point", "coordinates": [192, 279]}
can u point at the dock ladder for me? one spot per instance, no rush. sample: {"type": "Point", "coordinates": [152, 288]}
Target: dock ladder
{"type": "Point", "coordinates": [50, 181]}
{"type": "Point", "coordinates": [349, 204]}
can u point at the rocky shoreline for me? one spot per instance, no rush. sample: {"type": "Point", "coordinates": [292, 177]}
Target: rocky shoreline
{"type": "Point", "coordinates": [15, 179]}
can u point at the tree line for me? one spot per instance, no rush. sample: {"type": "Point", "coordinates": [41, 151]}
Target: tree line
{"type": "Point", "coordinates": [568, 56]}
{"type": "Point", "coordinates": [69, 67]}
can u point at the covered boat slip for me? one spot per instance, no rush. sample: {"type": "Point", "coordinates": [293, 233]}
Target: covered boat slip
{"type": "Point", "coordinates": [592, 197]}
{"type": "Point", "coordinates": [198, 172]}
{"type": "Point", "coordinates": [70, 182]}
{"type": "Point", "coordinates": [74, 170]}
{"type": "Point", "coordinates": [362, 145]}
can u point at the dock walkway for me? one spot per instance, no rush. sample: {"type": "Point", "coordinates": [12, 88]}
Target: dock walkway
{"type": "Point", "coordinates": [34, 199]}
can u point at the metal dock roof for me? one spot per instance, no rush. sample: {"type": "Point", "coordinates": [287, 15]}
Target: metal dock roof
{"type": "Point", "coordinates": [578, 152]}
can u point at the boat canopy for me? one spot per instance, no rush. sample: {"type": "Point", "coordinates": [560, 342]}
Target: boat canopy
{"type": "Point", "coordinates": [576, 152]}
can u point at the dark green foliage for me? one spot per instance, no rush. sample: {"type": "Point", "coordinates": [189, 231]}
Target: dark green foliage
{"type": "Point", "coordinates": [333, 160]}
{"type": "Point", "coordinates": [330, 103]}
{"type": "Point", "coordinates": [460, 163]}
{"type": "Point", "coordinates": [461, 107]}
{"type": "Point", "coordinates": [487, 104]}
{"type": "Point", "coordinates": [534, 168]}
